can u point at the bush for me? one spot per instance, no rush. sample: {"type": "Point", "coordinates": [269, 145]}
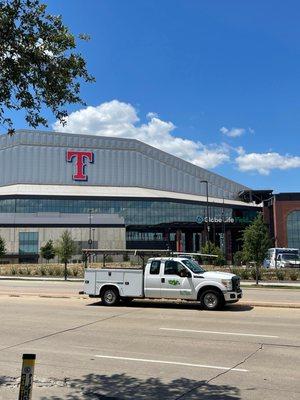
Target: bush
{"type": "Point", "coordinates": [27, 271]}
{"type": "Point", "coordinates": [43, 270]}
{"type": "Point", "coordinates": [235, 271]}
{"type": "Point", "coordinates": [253, 273]}
{"type": "Point", "coordinates": [280, 274]}
{"type": "Point", "coordinates": [57, 270]}
{"type": "Point", "coordinates": [126, 257]}
{"type": "Point", "coordinates": [238, 258]}
{"type": "Point", "coordinates": [294, 275]}
{"type": "Point", "coordinates": [13, 271]}
{"type": "Point", "coordinates": [20, 271]}
{"type": "Point", "coordinates": [75, 271]}
{"type": "Point", "coordinates": [245, 274]}
{"type": "Point", "coordinates": [109, 259]}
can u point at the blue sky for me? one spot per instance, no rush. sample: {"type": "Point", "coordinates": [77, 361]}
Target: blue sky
{"type": "Point", "coordinates": [204, 67]}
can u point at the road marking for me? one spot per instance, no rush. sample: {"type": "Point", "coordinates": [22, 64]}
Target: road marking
{"type": "Point", "coordinates": [171, 363]}
{"type": "Point", "coordinates": [219, 333]}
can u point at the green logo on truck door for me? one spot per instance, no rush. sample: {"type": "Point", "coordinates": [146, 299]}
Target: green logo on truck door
{"type": "Point", "coordinates": [174, 282]}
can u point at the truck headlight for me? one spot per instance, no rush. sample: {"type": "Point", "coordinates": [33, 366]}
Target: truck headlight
{"type": "Point", "coordinates": [227, 283]}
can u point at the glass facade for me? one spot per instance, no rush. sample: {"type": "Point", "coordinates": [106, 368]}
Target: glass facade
{"type": "Point", "coordinates": [28, 242]}
{"type": "Point", "coordinates": [293, 229]}
{"type": "Point", "coordinates": [135, 212]}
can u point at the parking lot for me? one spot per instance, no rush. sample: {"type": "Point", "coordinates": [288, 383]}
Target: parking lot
{"type": "Point", "coordinates": [149, 350]}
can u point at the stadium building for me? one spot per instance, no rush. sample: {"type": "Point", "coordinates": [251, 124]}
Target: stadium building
{"type": "Point", "coordinates": [113, 193]}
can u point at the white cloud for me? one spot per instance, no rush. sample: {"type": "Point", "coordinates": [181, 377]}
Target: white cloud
{"type": "Point", "coordinates": [265, 162]}
{"type": "Point", "coordinates": [232, 132]}
{"type": "Point", "coordinates": [118, 119]}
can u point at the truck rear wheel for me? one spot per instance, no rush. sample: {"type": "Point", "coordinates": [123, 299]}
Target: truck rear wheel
{"type": "Point", "coordinates": [110, 297]}
{"type": "Point", "coordinates": [211, 300]}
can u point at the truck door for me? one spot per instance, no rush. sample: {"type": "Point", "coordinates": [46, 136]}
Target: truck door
{"type": "Point", "coordinates": [174, 286]}
{"type": "Point", "coordinates": [153, 280]}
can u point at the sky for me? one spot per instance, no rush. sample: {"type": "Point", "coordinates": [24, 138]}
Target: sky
{"type": "Point", "coordinates": [214, 82]}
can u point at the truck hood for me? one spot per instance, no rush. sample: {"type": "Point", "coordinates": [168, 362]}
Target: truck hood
{"type": "Point", "coordinates": [217, 275]}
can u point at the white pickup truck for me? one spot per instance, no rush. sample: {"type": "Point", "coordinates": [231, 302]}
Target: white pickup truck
{"type": "Point", "coordinates": [163, 278]}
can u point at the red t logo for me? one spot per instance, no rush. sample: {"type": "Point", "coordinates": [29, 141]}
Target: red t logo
{"type": "Point", "coordinates": [81, 158]}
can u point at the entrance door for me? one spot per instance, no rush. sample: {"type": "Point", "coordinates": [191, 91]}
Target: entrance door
{"type": "Point", "coordinates": [173, 285]}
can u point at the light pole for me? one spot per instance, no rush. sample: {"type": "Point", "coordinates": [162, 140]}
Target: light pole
{"type": "Point", "coordinates": [93, 242]}
{"type": "Point", "coordinates": [207, 214]}
{"type": "Point", "coordinates": [90, 232]}
{"type": "Point", "coordinates": [223, 228]}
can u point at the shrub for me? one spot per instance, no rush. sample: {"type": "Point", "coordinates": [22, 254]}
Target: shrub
{"type": "Point", "coordinates": [126, 257]}
{"type": "Point", "coordinates": [245, 274]}
{"type": "Point", "coordinates": [294, 275]}
{"type": "Point", "coordinates": [235, 271]}
{"type": "Point", "coordinates": [75, 271]}
{"type": "Point", "coordinates": [43, 270]}
{"type": "Point", "coordinates": [13, 271]}
{"type": "Point", "coordinates": [109, 259]}
{"type": "Point", "coordinates": [27, 270]}
{"type": "Point", "coordinates": [238, 258]}
{"type": "Point", "coordinates": [20, 271]}
{"type": "Point", "coordinates": [253, 273]}
{"type": "Point", "coordinates": [57, 270]}
{"type": "Point", "coordinates": [280, 274]}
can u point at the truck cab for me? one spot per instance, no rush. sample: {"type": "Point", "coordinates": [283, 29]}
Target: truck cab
{"type": "Point", "coordinates": [184, 278]}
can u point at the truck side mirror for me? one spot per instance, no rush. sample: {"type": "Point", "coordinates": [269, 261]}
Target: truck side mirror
{"type": "Point", "coordinates": [185, 273]}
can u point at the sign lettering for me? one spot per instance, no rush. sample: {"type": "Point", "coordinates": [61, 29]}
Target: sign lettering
{"type": "Point", "coordinates": [81, 160]}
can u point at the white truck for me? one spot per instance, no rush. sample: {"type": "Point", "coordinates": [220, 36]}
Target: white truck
{"type": "Point", "coordinates": [282, 257]}
{"type": "Point", "coordinates": [163, 278]}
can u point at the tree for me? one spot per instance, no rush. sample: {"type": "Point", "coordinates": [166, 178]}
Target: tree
{"type": "Point", "coordinates": [211, 248]}
{"type": "Point", "coordinates": [65, 249]}
{"type": "Point", "coordinates": [256, 241]}
{"type": "Point", "coordinates": [48, 251]}
{"type": "Point", "coordinates": [2, 247]}
{"type": "Point", "coordinates": [38, 66]}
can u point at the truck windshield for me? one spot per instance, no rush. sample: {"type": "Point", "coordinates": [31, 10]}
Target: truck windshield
{"type": "Point", "coordinates": [193, 266]}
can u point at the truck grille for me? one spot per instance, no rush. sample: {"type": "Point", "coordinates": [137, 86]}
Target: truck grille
{"type": "Point", "coordinates": [236, 284]}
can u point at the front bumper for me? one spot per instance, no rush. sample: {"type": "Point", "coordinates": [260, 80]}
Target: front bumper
{"type": "Point", "coordinates": [232, 297]}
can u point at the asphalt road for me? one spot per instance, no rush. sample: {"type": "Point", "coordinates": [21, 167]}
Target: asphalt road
{"type": "Point", "coordinates": [149, 350]}
{"type": "Point", "coordinates": [61, 288]}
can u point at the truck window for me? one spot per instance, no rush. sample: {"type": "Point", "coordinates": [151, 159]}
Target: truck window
{"type": "Point", "coordinates": [173, 267]}
{"type": "Point", "coordinates": [155, 267]}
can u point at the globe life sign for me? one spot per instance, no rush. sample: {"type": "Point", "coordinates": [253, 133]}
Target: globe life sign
{"type": "Point", "coordinates": [214, 220]}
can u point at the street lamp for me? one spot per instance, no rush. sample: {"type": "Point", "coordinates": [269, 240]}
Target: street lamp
{"type": "Point", "coordinates": [90, 230]}
{"type": "Point", "coordinates": [90, 233]}
{"type": "Point", "coordinates": [207, 214]}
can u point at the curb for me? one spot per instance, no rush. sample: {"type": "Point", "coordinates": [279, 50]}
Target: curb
{"type": "Point", "coordinates": [268, 305]}
{"type": "Point", "coordinates": [38, 279]}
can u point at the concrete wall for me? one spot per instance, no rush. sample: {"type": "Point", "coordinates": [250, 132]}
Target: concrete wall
{"type": "Point", "coordinates": [107, 238]}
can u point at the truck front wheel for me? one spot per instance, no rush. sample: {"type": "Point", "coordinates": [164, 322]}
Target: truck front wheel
{"type": "Point", "coordinates": [211, 300]}
{"type": "Point", "coordinates": [110, 297]}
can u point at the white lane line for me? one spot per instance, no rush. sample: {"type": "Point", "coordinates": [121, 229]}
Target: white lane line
{"type": "Point", "coordinates": [219, 333]}
{"type": "Point", "coordinates": [171, 363]}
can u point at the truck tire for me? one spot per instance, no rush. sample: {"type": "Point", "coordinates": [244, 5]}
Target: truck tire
{"type": "Point", "coordinates": [211, 300]}
{"type": "Point", "coordinates": [110, 297]}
